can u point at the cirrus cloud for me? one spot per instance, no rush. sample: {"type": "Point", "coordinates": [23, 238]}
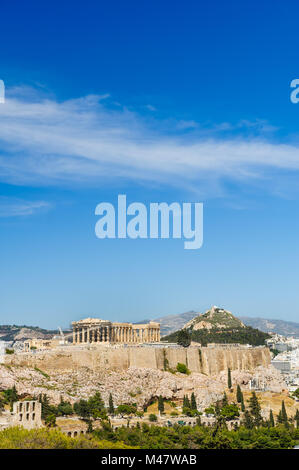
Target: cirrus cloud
{"type": "Point", "coordinates": [14, 207]}
{"type": "Point", "coordinates": [44, 141]}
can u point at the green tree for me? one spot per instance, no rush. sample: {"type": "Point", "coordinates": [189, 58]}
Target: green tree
{"type": "Point", "coordinates": [210, 410]}
{"type": "Point", "coordinates": [111, 405]}
{"type": "Point", "coordinates": [126, 410]}
{"type": "Point", "coordinates": [248, 422]}
{"type": "Point", "coordinates": [89, 426]}
{"type": "Point", "coordinates": [284, 416]}
{"type": "Point", "coordinates": [271, 419]}
{"type": "Point", "coordinates": [229, 378]}
{"type": "Point", "coordinates": [193, 402]}
{"type": "Point", "coordinates": [217, 408]}
{"type": "Point", "coordinates": [230, 411]}
{"type": "Point", "coordinates": [184, 338]}
{"type": "Point", "coordinates": [47, 409]}
{"type": "Point", "coordinates": [186, 402]}
{"type": "Point", "coordinates": [161, 404]}
{"type": "Point", "coordinates": [279, 417]}
{"type": "Point", "coordinates": [96, 406]}
{"type": "Point", "coordinates": [239, 394]}
{"type": "Point", "coordinates": [255, 409]}
{"type": "Point", "coordinates": [64, 408]}
{"type": "Point", "coordinates": [50, 420]}
{"type": "Point", "coordinates": [10, 396]}
{"type": "Point", "coordinates": [224, 400]}
{"type": "Point", "coordinates": [14, 394]}
{"type": "Point", "coordinates": [242, 404]}
{"type": "Point", "coordinates": [83, 409]}
{"type": "Point", "coordinates": [296, 418]}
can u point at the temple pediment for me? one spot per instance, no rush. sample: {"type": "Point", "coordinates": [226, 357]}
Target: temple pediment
{"type": "Point", "coordinates": [91, 320]}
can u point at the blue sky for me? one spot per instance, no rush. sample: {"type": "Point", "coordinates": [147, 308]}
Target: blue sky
{"type": "Point", "coordinates": [162, 101]}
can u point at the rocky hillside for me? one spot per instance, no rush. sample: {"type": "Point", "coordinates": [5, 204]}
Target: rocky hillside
{"type": "Point", "coordinates": [217, 325]}
{"type": "Point", "coordinates": [215, 317]}
{"type": "Point", "coordinates": [172, 323]}
{"type": "Point", "coordinates": [129, 386]}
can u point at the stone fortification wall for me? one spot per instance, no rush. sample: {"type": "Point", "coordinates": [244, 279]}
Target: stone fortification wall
{"type": "Point", "coordinates": [208, 361]}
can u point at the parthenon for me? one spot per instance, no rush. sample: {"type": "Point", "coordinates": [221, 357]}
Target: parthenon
{"type": "Point", "coordinates": [94, 330]}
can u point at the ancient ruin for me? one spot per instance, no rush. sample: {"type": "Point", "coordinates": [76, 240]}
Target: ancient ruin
{"type": "Point", "coordinates": [24, 413]}
{"type": "Point", "coordinates": [94, 330]}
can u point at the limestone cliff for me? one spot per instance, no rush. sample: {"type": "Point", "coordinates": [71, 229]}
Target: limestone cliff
{"type": "Point", "coordinates": [203, 360]}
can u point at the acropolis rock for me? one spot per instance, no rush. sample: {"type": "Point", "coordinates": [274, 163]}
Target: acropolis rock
{"type": "Point", "coordinates": [208, 361]}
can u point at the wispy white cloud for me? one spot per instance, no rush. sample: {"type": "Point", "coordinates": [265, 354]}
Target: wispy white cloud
{"type": "Point", "coordinates": [182, 125]}
{"type": "Point", "coordinates": [44, 141]}
{"type": "Point", "coordinates": [13, 207]}
{"type": "Point", "coordinates": [151, 107]}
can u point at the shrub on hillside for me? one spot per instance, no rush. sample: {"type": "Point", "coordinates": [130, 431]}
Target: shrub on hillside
{"type": "Point", "coordinates": [182, 368]}
{"type": "Point", "coordinates": [152, 417]}
{"type": "Point", "coordinates": [20, 438]}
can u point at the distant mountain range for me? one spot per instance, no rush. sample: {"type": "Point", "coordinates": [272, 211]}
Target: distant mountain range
{"type": "Point", "coordinates": [23, 332]}
{"type": "Point", "coordinates": [282, 327]}
{"type": "Point", "coordinates": [169, 324]}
